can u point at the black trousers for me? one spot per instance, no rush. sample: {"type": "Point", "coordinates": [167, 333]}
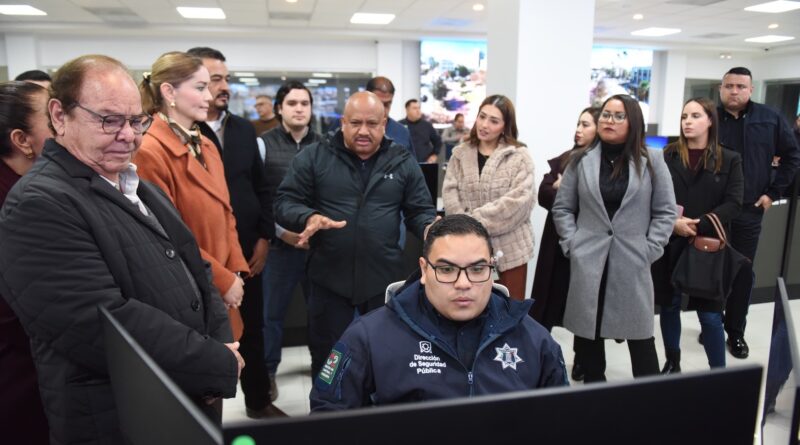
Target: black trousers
{"type": "Point", "coordinates": [329, 315]}
{"type": "Point", "coordinates": [744, 233]}
{"type": "Point", "coordinates": [254, 378]}
{"type": "Point", "coordinates": [592, 353]}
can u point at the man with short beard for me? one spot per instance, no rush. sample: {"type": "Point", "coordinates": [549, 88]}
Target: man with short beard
{"type": "Point", "coordinates": [236, 141]}
{"type": "Point", "coordinates": [286, 265]}
{"type": "Point", "coordinates": [344, 196]}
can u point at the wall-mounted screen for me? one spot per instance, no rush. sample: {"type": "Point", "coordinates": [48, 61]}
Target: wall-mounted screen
{"type": "Point", "coordinates": [452, 79]}
{"type": "Point", "coordinates": [621, 71]}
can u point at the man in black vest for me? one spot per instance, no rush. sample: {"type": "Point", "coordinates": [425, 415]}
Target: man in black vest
{"type": "Point", "coordinates": [286, 265]}
{"type": "Point", "coordinates": [235, 139]}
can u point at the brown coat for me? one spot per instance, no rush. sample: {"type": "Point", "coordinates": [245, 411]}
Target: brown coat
{"type": "Point", "coordinates": [501, 198]}
{"type": "Point", "coordinates": [201, 196]}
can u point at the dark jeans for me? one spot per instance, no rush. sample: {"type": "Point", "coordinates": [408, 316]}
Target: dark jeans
{"type": "Point", "coordinates": [710, 326]}
{"type": "Point", "coordinates": [285, 269]}
{"type": "Point", "coordinates": [743, 236]}
{"type": "Point", "coordinates": [255, 383]}
{"type": "Point", "coordinates": [328, 317]}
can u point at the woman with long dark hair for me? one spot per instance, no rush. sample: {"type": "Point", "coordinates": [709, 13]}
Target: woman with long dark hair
{"type": "Point", "coordinates": [551, 281]}
{"type": "Point", "coordinates": [707, 179]}
{"type": "Point", "coordinates": [24, 127]}
{"type": "Point", "coordinates": [614, 212]}
{"type": "Point", "coordinates": [490, 177]}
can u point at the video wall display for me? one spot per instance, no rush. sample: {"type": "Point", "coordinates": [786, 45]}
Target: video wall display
{"type": "Point", "coordinates": [452, 79]}
{"type": "Point", "coordinates": [621, 71]}
{"type": "Point", "coordinates": [329, 90]}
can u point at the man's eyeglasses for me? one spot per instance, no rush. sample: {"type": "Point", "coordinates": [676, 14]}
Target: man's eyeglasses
{"type": "Point", "coordinates": [113, 123]}
{"type": "Point", "coordinates": [616, 118]}
{"type": "Point", "coordinates": [476, 273]}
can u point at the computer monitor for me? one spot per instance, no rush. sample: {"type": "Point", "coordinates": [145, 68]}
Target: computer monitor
{"type": "Point", "coordinates": [152, 410]}
{"type": "Point", "coordinates": [431, 174]}
{"type": "Point", "coordinates": [781, 421]}
{"type": "Point", "coordinates": [697, 408]}
{"type": "Point", "coordinates": [657, 142]}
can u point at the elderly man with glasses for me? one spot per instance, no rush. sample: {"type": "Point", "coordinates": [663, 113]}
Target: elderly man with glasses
{"type": "Point", "coordinates": [451, 333]}
{"type": "Point", "coordinates": [81, 231]}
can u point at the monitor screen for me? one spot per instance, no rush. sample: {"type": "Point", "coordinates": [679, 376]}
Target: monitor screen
{"type": "Point", "coordinates": [656, 142]}
{"type": "Point", "coordinates": [152, 410]}
{"type": "Point", "coordinates": [431, 174]}
{"type": "Point", "coordinates": [781, 420]}
{"type": "Point", "coordinates": [698, 408]}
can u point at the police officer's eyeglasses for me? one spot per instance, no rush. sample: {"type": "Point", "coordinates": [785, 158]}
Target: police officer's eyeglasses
{"type": "Point", "coordinates": [476, 273]}
{"type": "Point", "coordinates": [113, 123]}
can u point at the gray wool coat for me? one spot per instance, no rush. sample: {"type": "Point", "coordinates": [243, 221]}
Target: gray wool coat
{"type": "Point", "coordinates": [628, 244]}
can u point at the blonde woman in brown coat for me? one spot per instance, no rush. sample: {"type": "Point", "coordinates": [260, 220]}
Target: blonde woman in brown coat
{"type": "Point", "coordinates": [490, 177]}
{"type": "Point", "coordinates": [188, 168]}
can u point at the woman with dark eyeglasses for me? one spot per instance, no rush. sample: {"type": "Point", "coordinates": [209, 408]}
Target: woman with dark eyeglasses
{"type": "Point", "coordinates": [614, 212]}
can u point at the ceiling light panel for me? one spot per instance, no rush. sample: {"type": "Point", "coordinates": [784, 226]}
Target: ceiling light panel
{"type": "Point", "coordinates": [201, 13]}
{"type": "Point", "coordinates": [655, 32]}
{"type": "Point", "coordinates": [20, 10]}
{"type": "Point", "coordinates": [774, 7]}
{"type": "Point", "coordinates": [769, 39]}
{"type": "Point", "coordinates": [369, 18]}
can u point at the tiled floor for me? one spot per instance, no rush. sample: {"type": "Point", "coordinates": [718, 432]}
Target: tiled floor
{"type": "Point", "coordinates": [294, 377]}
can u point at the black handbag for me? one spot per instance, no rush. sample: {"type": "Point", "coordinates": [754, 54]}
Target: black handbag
{"type": "Point", "coordinates": [707, 266]}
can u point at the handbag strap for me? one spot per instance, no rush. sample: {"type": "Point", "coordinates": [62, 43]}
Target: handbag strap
{"type": "Point", "coordinates": [717, 224]}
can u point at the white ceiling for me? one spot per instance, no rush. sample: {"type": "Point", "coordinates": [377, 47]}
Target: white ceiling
{"type": "Point", "coordinates": [721, 25]}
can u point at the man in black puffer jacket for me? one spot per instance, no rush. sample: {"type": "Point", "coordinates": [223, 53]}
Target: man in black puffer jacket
{"type": "Point", "coordinates": [347, 192]}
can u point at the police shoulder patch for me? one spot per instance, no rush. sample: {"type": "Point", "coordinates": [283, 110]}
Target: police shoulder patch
{"type": "Point", "coordinates": [332, 364]}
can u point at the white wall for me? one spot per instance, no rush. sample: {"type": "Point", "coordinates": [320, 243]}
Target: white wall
{"type": "Point", "coordinates": [272, 55]}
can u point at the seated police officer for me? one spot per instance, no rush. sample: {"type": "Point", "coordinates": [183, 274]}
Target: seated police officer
{"type": "Point", "coordinates": [448, 334]}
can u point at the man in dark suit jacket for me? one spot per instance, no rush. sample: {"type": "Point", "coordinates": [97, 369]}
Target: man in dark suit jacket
{"type": "Point", "coordinates": [235, 139]}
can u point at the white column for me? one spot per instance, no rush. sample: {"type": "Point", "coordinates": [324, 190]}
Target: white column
{"type": "Point", "coordinates": [392, 61]}
{"type": "Point", "coordinates": [669, 77]}
{"type": "Point", "coordinates": [410, 78]}
{"type": "Point", "coordinates": [540, 57]}
{"type": "Point", "coordinates": [20, 53]}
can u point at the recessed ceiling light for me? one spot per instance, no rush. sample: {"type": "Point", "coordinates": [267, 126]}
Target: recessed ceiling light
{"type": "Point", "coordinates": [368, 18]}
{"type": "Point", "coordinates": [20, 10]}
{"type": "Point", "coordinates": [727, 56]}
{"type": "Point", "coordinates": [769, 39]}
{"type": "Point", "coordinates": [774, 7]}
{"type": "Point", "coordinates": [291, 1]}
{"type": "Point", "coordinates": [201, 13]}
{"type": "Point", "coordinates": [638, 16]}
{"type": "Point", "coordinates": [772, 26]}
{"type": "Point", "coordinates": [317, 81]}
{"type": "Point", "coordinates": [244, 74]}
{"type": "Point", "coordinates": [248, 79]}
{"type": "Point", "coordinates": [478, 7]}
{"type": "Point", "coordinates": [655, 32]}
{"type": "Point", "coordinates": [326, 75]}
